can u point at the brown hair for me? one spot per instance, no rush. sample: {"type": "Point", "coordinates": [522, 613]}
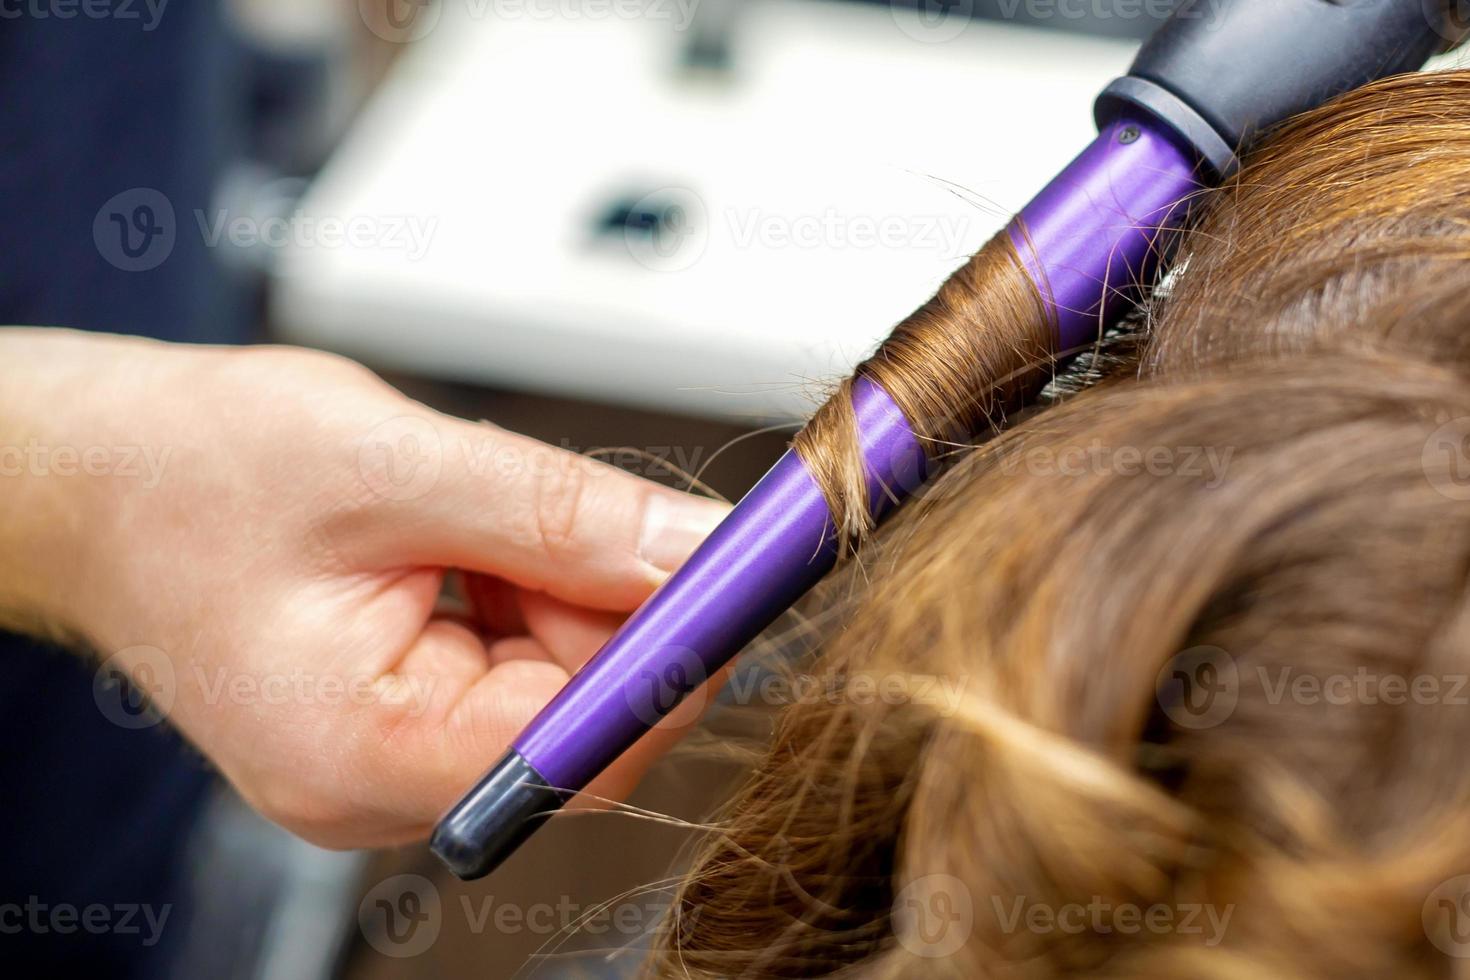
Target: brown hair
{"type": "Point", "coordinates": [953, 367]}
{"type": "Point", "coordinates": [1351, 230]}
{"type": "Point", "coordinates": [1137, 607]}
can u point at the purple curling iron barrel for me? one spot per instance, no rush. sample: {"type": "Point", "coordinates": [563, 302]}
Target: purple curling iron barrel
{"type": "Point", "coordinates": [1208, 82]}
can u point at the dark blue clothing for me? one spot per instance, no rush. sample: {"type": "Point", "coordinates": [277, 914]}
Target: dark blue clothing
{"type": "Point", "coordinates": [94, 110]}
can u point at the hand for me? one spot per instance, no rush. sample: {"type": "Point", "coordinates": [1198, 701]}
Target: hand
{"type": "Point", "coordinates": [260, 536]}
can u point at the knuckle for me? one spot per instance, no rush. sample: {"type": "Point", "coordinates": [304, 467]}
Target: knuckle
{"type": "Point", "coordinates": [304, 363]}
{"type": "Point", "coordinates": [561, 492]}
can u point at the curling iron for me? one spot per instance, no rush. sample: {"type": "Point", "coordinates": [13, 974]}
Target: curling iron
{"type": "Point", "coordinates": [1209, 81]}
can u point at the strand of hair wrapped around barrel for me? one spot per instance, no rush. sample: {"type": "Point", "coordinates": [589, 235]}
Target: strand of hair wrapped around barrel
{"type": "Point", "coordinates": [954, 366]}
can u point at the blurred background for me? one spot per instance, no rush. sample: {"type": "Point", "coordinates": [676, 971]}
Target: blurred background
{"type": "Point", "coordinates": [657, 225]}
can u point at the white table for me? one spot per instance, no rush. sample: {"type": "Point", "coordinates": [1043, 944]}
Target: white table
{"type": "Point", "coordinates": [827, 186]}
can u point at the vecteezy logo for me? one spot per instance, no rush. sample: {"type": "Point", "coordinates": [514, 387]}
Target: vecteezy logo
{"type": "Point", "coordinates": [401, 916]}
{"type": "Point", "coordinates": [1450, 19]}
{"type": "Point", "coordinates": [663, 683]}
{"type": "Point", "coordinates": [1446, 459]}
{"type": "Point", "coordinates": [1446, 916]}
{"type": "Point", "coordinates": [666, 231]}
{"type": "Point", "coordinates": [1199, 687]}
{"type": "Point", "coordinates": [134, 688]}
{"type": "Point", "coordinates": [135, 230]}
{"type": "Point", "coordinates": [934, 915]}
{"type": "Point", "coordinates": [401, 459]}
{"type": "Point", "coordinates": [400, 21]}
{"type": "Point", "coordinates": [932, 21]}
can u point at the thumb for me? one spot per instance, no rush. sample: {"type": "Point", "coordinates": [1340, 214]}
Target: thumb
{"type": "Point", "coordinates": [486, 500]}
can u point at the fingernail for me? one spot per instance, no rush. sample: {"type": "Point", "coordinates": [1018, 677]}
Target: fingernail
{"type": "Point", "coordinates": [675, 527]}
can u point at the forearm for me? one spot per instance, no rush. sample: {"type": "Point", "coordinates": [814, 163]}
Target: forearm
{"type": "Point", "coordinates": [59, 455]}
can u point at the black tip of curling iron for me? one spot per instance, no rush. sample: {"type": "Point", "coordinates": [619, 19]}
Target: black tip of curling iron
{"type": "Point", "coordinates": [504, 808]}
